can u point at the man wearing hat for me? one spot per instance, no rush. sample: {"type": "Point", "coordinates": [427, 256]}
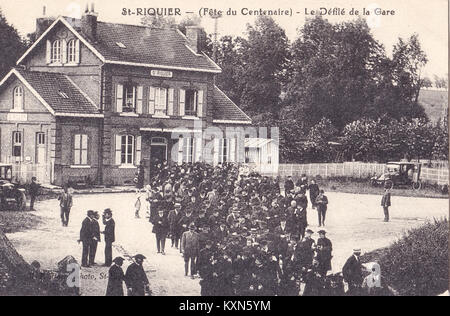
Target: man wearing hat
{"type": "Point", "coordinates": [136, 279]}
{"type": "Point", "coordinates": [174, 230]}
{"type": "Point", "coordinates": [115, 278]}
{"type": "Point", "coordinates": [109, 233]}
{"type": "Point", "coordinates": [324, 250]}
{"type": "Point", "coordinates": [95, 238]}
{"type": "Point", "coordinates": [353, 272]}
{"type": "Point", "coordinates": [86, 237]}
{"type": "Point", "coordinates": [305, 250]}
{"type": "Point", "coordinates": [321, 203]}
{"type": "Point", "coordinates": [160, 229]}
{"type": "Point", "coordinates": [190, 248]}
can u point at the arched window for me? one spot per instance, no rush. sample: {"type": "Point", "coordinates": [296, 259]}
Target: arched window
{"type": "Point", "coordinates": [56, 52]}
{"type": "Point", "coordinates": [18, 98]}
{"type": "Point", "coordinates": [72, 51]}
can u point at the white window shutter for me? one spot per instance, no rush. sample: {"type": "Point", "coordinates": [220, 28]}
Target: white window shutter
{"type": "Point", "coordinates": [182, 99]}
{"type": "Point", "coordinates": [140, 94]}
{"type": "Point", "coordinates": [198, 149]}
{"type": "Point", "coordinates": [170, 102]}
{"type": "Point", "coordinates": [200, 103]}
{"type": "Point", "coordinates": [151, 101]}
{"type": "Point", "coordinates": [138, 150]}
{"type": "Point", "coordinates": [216, 151]}
{"type": "Point", "coordinates": [64, 51]}
{"type": "Point", "coordinates": [119, 98]}
{"type": "Point", "coordinates": [77, 51]}
{"type": "Point", "coordinates": [232, 145]}
{"type": "Point", "coordinates": [49, 52]}
{"type": "Point", "coordinates": [118, 149]}
{"type": "Point", "coordinates": [180, 151]}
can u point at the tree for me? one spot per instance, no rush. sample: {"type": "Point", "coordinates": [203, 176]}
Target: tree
{"type": "Point", "coordinates": [408, 60]}
{"type": "Point", "coordinates": [264, 57]}
{"type": "Point", "coordinates": [11, 46]}
{"type": "Point", "coordinates": [229, 58]}
{"type": "Point", "coordinates": [317, 145]}
{"type": "Point", "coordinates": [158, 21]}
{"type": "Point", "coordinates": [441, 82]}
{"type": "Point", "coordinates": [334, 71]}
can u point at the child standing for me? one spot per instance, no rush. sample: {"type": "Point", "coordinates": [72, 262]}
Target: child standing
{"type": "Point", "coordinates": [137, 204]}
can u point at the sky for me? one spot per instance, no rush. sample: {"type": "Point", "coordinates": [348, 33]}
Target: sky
{"type": "Point", "coordinates": [428, 18]}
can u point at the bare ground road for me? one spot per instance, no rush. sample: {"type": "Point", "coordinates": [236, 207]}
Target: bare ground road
{"type": "Point", "coordinates": [353, 220]}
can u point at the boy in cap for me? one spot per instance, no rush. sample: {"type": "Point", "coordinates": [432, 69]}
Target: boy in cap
{"type": "Point", "coordinates": [135, 277]}
{"type": "Point", "coordinates": [115, 278]}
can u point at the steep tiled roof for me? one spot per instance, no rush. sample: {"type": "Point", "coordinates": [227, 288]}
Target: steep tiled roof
{"type": "Point", "coordinates": [145, 45]}
{"type": "Point", "coordinates": [54, 88]}
{"type": "Point", "coordinates": [227, 110]}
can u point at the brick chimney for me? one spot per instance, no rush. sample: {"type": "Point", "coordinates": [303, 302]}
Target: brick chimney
{"type": "Point", "coordinates": [195, 38]}
{"type": "Point", "coordinates": [89, 23]}
{"type": "Point", "coordinates": [43, 23]}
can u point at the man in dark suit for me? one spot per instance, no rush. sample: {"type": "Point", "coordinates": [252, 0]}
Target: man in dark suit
{"type": "Point", "coordinates": [174, 217]}
{"type": "Point", "coordinates": [160, 229]}
{"type": "Point", "coordinates": [110, 235]}
{"type": "Point", "coordinates": [34, 192]}
{"type": "Point", "coordinates": [115, 278]}
{"type": "Point", "coordinates": [324, 253]}
{"type": "Point", "coordinates": [353, 273]}
{"type": "Point", "coordinates": [136, 279]}
{"type": "Point", "coordinates": [190, 248]}
{"type": "Point", "coordinates": [86, 237]}
{"type": "Point", "coordinates": [322, 205]}
{"type": "Point", "coordinates": [385, 203]}
{"type": "Point", "coordinates": [95, 238]}
{"type": "Point", "coordinates": [288, 185]}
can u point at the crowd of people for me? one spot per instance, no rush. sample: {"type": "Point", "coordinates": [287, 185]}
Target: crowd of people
{"type": "Point", "coordinates": [239, 232]}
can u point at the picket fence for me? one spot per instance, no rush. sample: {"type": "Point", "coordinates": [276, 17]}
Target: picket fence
{"type": "Point", "coordinates": [358, 170]}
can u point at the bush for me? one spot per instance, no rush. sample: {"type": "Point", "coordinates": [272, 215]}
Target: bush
{"type": "Point", "coordinates": [417, 264]}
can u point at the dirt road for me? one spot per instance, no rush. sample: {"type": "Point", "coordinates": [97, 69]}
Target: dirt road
{"type": "Point", "coordinates": [352, 221]}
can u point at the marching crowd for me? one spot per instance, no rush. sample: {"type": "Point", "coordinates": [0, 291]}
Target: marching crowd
{"type": "Point", "coordinates": [239, 233]}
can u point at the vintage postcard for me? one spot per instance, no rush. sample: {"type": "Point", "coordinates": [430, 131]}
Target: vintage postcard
{"type": "Point", "coordinates": [224, 149]}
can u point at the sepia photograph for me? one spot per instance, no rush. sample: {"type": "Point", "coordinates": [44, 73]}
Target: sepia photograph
{"type": "Point", "coordinates": [212, 151]}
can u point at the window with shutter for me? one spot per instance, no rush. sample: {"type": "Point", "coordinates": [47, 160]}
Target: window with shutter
{"type": "Point", "coordinates": [140, 94]}
{"type": "Point", "coordinates": [200, 103]}
{"type": "Point", "coordinates": [118, 150]}
{"type": "Point", "coordinates": [138, 150]}
{"type": "Point", "coordinates": [119, 98]}
{"type": "Point", "coordinates": [170, 102]}
{"type": "Point", "coordinates": [182, 100]}
{"type": "Point", "coordinates": [17, 140]}
{"type": "Point", "coordinates": [151, 100]}
{"type": "Point", "coordinates": [160, 101]}
{"type": "Point", "coordinates": [80, 149]}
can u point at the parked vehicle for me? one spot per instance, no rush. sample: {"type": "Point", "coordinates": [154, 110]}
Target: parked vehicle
{"type": "Point", "coordinates": [12, 196]}
{"type": "Point", "coordinates": [400, 174]}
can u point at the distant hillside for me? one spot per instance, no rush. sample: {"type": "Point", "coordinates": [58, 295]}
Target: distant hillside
{"type": "Point", "coordinates": [434, 102]}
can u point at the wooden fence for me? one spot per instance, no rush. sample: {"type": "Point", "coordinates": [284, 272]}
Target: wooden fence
{"type": "Point", "coordinates": [349, 169]}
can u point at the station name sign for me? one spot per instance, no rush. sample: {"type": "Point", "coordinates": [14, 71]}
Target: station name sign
{"type": "Point", "coordinates": [161, 73]}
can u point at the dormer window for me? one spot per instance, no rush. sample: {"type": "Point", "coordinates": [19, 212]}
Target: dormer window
{"type": "Point", "coordinates": [73, 51]}
{"type": "Point", "coordinates": [55, 56]}
{"type": "Point", "coordinates": [18, 99]}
